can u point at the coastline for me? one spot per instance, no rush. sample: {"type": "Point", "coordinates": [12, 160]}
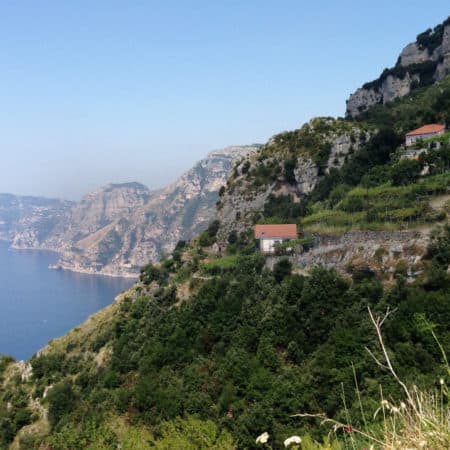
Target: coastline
{"type": "Point", "coordinates": [58, 265]}
{"type": "Point", "coordinates": [86, 271]}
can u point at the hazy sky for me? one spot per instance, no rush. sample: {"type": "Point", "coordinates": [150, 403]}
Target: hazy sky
{"type": "Point", "coordinates": [98, 91]}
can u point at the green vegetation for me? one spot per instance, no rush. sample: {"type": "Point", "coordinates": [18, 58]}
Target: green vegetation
{"type": "Point", "coordinates": [432, 38]}
{"type": "Point", "coordinates": [250, 349]}
{"type": "Point", "coordinates": [425, 105]}
{"type": "Point", "coordinates": [384, 206]}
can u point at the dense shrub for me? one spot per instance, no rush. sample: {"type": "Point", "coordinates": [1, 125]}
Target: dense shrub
{"type": "Point", "coordinates": [406, 172]}
{"type": "Point", "coordinates": [61, 399]}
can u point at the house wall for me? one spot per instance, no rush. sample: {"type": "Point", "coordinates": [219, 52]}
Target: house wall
{"type": "Point", "coordinates": [268, 245]}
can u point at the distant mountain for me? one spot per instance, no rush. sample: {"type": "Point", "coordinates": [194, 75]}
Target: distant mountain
{"type": "Point", "coordinates": [31, 218]}
{"type": "Point", "coordinates": [118, 228]}
{"type": "Point", "coordinates": [421, 63]}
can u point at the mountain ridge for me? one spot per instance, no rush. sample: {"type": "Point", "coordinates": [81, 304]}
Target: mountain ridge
{"type": "Point", "coordinates": [118, 227]}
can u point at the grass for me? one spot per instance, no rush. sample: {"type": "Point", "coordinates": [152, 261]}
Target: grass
{"type": "Point", "coordinates": [421, 421]}
{"type": "Point", "coordinates": [226, 262]}
{"type": "Point", "coordinates": [384, 207]}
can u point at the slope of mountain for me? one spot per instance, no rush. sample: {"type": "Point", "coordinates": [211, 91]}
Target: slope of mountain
{"type": "Point", "coordinates": [118, 228]}
{"type": "Point", "coordinates": [91, 214]}
{"type": "Point", "coordinates": [177, 212]}
{"type": "Point", "coordinates": [289, 167]}
{"type": "Point", "coordinates": [420, 64]}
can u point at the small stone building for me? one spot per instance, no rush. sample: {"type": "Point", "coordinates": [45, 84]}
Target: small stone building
{"type": "Point", "coordinates": [424, 132]}
{"type": "Point", "coordinates": [270, 235]}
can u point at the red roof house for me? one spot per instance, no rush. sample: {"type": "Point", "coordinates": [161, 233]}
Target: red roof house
{"type": "Point", "coordinates": [424, 132]}
{"type": "Point", "coordinates": [269, 235]}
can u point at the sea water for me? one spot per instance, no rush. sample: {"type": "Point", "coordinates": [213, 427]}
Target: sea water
{"type": "Point", "coordinates": [38, 304]}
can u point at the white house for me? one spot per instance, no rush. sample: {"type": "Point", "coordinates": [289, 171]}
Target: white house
{"type": "Point", "coordinates": [270, 235]}
{"type": "Point", "coordinates": [424, 132]}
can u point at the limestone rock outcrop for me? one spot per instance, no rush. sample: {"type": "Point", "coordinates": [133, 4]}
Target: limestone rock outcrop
{"type": "Point", "coordinates": [260, 175]}
{"type": "Point", "coordinates": [420, 63]}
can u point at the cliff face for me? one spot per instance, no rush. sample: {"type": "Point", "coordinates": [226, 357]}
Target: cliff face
{"type": "Point", "coordinates": [289, 166]}
{"type": "Point", "coordinates": [118, 228]}
{"type": "Point", "coordinates": [420, 63]}
{"type": "Point", "coordinates": [122, 245]}
{"type": "Point", "coordinates": [91, 214]}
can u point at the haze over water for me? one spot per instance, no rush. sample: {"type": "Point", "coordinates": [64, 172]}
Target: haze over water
{"type": "Point", "coordinates": [38, 304]}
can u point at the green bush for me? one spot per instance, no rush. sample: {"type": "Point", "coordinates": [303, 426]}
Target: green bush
{"type": "Point", "coordinates": [406, 172]}
{"type": "Point", "coordinates": [22, 418]}
{"type": "Point", "coordinates": [282, 269]}
{"type": "Point", "coordinates": [150, 273]}
{"type": "Point", "coordinates": [61, 399]}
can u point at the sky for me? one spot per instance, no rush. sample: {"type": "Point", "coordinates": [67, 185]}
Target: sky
{"type": "Point", "coordinates": [93, 92]}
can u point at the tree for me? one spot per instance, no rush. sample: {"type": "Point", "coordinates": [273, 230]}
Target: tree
{"type": "Point", "coordinates": [282, 269]}
{"type": "Point", "coordinates": [406, 172]}
{"type": "Point", "coordinates": [61, 400]}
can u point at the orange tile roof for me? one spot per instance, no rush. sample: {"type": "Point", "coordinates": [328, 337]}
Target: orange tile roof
{"type": "Point", "coordinates": [285, 231]}
{"type": "Point", "coordinates": [427, 129]}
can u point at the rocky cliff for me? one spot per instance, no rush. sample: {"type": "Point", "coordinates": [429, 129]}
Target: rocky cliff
{"type": "Point", "coordinates": [148, 230]}
{"type": "Point", "coordinates": [96, 210]}
{"type": "Point", "coordinates": [118, 228]}
{"type": "Point", "coordinates": [287, 169]}
{"type": "Point", "coordinates": [420, 63]}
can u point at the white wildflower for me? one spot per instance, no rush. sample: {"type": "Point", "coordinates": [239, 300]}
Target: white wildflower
{"type": "Point", "coordinates": [292, 440]}
{"type": "Point", "coordinates": [402, 405]}
{"type": "Point", "coordinates": [262, 438]}
{"type": "Point", "coordinates": [385, 403]}
{"type": "Point", "coordinates": [395, 410]}
{"type": "Point", "coordinates": [441, 382]}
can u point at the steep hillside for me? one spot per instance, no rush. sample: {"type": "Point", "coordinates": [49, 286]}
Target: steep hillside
{"type": "Point", "coordinates": [218, 343]}
{"type": "Point", "coordinates": [288, 167]}
{"type": "Point", "coordinates": [346, 183]}
{"type": "Point", "coordinates": [420, 64]}
{"type": "Point", "coordinates": [209, 352]}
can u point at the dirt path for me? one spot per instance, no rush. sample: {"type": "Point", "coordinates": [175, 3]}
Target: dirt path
{"type": "Point", "coordinates": [440, 201]}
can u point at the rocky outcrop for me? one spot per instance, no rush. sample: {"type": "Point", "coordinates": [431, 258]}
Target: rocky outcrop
{"type": "Point", "coordinates": [120, 227]}
{"type": "Point", "coordinates": [306, 175]}
{"type": "Point", "coordinates": [244, 200]}
{"type": "Point", "coordinates": [361, 100]}
{"type": "Point", "coordinates": [413, 54]}
{"type": "Point", "coordinates": [383, 252]}
{"type": "Point", "coordinates": [420, 63]}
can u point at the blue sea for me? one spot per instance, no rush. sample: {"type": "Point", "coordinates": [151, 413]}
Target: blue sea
{"type": "Point", "coordinates": [38, 304]}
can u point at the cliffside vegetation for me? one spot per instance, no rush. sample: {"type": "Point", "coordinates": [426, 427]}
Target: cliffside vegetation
{"type": "Point", "coordinates": [248, 349]}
